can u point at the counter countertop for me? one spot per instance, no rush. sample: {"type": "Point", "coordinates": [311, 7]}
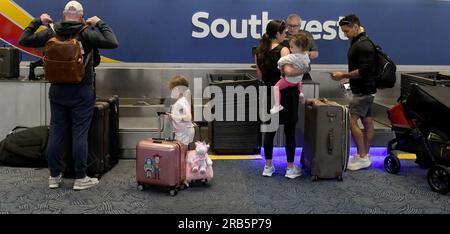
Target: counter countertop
{"type": "Point", "coordinates": [22, 79]}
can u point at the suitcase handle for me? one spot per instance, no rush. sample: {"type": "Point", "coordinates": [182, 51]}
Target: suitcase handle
{"type": "Point", "coordinates": [160, 140]}
{"type": "Point", "coordinates": [161, 123]}
{"type": "Point", "coordinates": [161, 127]}
{"type": "Point", "coordinates": [331, 115]}
{"type": "Point", "coordinates": [330, 141]}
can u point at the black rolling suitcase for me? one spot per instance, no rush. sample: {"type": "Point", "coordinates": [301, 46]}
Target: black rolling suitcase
{"type": "Point", "coordinates": [239, 136]}
{"type": "Point", "coordinates": [9, 62]}
{"type": "Point", "coordinates": [99, 160]}
{"type": "Point", "coordinates": [326, 150]}
{"type": "Point", "coordinates": [113, 126]}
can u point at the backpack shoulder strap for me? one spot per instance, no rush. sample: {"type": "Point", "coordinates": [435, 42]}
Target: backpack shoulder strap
{"type": "Point", "coordinates": [81, 30]}
{"type": "Point", "coordinates": [361, 39]}
{"type": "Point", "coordinates": [88, 58]}
{"type": "Point", "coordinates": [52, 27]}
{"type": "Point", "coordinates": [373, 44]}
{"type": "Point", "coordinates": [89, 54]}
{"type": "Point", "coordinates": [377, 48]}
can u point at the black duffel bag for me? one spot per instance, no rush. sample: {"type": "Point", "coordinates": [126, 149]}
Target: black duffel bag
{"type": "Point", "coordinates": [25, 147]}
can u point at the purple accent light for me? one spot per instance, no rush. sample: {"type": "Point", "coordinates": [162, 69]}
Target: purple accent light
{"type": "Point", "coordinates": [374, 151]}
{"type": "Point", "coordinates": [377, 155]}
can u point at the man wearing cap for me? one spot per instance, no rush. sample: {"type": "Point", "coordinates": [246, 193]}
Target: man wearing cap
{"type": "Point", "coordinates": [71, 101]}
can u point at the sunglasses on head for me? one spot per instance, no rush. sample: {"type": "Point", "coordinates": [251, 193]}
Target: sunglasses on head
{"type": "Point", "coordinates": [282, 24]}
{"type": "Point", "coordinates": [345, 22]}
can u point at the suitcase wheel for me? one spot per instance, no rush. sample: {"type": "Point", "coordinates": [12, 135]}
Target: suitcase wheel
{"type": "Point", "coordinates": [140, 187]}
{"type": "Point", "coordinates": [339, 178]}
{"type": "Point", "coordinates": [183, 186]}
{"type": "Point", "coordinates": [314, 178]}
{"type": "Point", "coordinates": [173, 192]}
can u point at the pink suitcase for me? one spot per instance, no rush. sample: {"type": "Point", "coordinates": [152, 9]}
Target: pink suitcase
{"type": "Point", "coordinates": [161, 163]}
{"type": "Point", "coordinates": [197, 176]}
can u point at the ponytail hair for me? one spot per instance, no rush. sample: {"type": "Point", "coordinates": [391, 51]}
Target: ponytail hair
{"type": "Point", "coordinates": [272, 28]}
{"type": "Point", "coordinates": [263, 48]}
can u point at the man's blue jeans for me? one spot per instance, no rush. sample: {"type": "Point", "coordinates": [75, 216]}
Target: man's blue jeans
{"type": "Point", "coordinates": [74, 102]}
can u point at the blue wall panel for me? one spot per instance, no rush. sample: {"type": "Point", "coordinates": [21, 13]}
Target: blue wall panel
{"type": "Point", "coordinates": [413, 32]}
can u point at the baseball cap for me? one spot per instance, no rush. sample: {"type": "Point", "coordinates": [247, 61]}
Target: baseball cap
{"type": "Point", "coordinates": [73, 7]}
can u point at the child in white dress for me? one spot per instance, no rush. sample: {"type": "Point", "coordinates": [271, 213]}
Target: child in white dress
{"type": "Point", "coordinates": [181, 110]}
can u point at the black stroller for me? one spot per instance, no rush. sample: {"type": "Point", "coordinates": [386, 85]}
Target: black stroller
{"type": "Point", "coordinates": [422, 126]}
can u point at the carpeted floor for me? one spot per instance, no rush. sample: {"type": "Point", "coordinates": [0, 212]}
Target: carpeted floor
{"type": "Point", "coordinates": [238, 187]}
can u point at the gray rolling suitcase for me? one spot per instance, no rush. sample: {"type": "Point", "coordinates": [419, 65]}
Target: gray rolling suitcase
{"type": "Point", "coordinates": [326, 150]}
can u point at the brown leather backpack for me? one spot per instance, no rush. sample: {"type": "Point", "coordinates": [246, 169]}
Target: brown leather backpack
{"type": "Point", "coordinates": [63, 60]}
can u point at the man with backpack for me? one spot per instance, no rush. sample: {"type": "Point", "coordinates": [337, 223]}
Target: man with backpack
{"type": "Point", "coordinates": [362, 73]}
{"type": "Point", "coordinates": [71, 94]}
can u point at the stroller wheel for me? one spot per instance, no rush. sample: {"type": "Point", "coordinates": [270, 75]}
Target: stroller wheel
{"type": "Point", "coordinates": [439, 179]}
{"type": "Point", "coordinates": [392, 164]}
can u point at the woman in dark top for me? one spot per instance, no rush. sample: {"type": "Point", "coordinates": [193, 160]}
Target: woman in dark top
{"type": "Point", "coordinates": [267, 55]}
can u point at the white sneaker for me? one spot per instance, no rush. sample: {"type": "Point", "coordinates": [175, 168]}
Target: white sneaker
{"type": "Point", "coordinates": [293, 172]}
{"type": "Point", "coordinates": [268, 171]}
{"type": "Point", "coordinates": [353, 157]}
{"type": "Point", "coordinates": [53, 182]}
{"type": "Point", "coordinates": [359, 162]}
{"type": "Point", "coordinates": [85, 183]}
{"type": "Point", "coordinates": [276, 108]}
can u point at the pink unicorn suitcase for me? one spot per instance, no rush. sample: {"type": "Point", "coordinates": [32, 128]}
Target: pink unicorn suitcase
{"type": "Point", "coordinates": [197, 176]}
{"type": "Point", "coordinates": [161, 163]}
